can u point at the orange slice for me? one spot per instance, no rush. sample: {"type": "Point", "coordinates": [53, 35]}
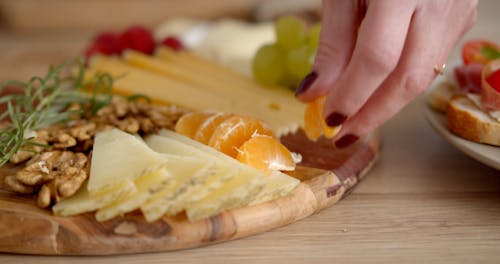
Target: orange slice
{"type": "Point", "coordinates": [207, 128]}
{"type": "Point", "coordinates": [266, 154]}
{"type": "Point", "coordinates": [233, 132]}
{"type": "Point", "coordinates": [314, 121]}
{"type": "Point", "coordinates": [189, 123]}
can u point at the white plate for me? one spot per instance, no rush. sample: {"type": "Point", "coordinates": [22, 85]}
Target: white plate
{"type": "Point", "coordinates": [486, 154]}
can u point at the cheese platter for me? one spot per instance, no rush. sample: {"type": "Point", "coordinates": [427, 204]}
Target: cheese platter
{"type": "Point", "coordinates": [155, 148]}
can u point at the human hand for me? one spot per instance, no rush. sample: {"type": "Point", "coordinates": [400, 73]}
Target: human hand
{"type": "Point", "coordinates": [375, 56]}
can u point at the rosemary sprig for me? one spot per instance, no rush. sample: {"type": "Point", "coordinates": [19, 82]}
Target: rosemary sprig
{"type": "Point", "coordinates": [45, 101]}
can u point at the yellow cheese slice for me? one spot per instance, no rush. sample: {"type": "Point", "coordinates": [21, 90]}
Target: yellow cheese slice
{"type": "Point", "coordinates": [166, 82]}
{"type": "Point", "coordinates": [119, 156]}
{"type": "Point", "coordinates": [83, 202]}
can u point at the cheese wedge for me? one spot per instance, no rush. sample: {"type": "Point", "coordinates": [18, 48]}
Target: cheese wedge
{"type": "Point", "coordinates": [237, 191]}
{"type": "Point", "coordinates": [147, 185]}
{"type": "Point", "coordinates": [187, 173]}
{"type": "Point", "coordinates": [119, 156]}
{"type": "Point", "coordinates": [83, 202]}
{"type": "Point", "coordinates": [277, 185]}
{"type": "Point", "coordinates": [221, 172]}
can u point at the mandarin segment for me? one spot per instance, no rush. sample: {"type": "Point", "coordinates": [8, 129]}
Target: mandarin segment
{"type": "Point", "coordinates": [233, 132]}
{"type": "Point", "coordinates": [314, 121]}
{"type": "Point", "coordinates": [312, 127]}
{"type": "Point", "coordinates": [266, 154]}
{"type": "Point", "coordinates": [207, 128]}
{"type": "Point", "coordinates": [189, 123]}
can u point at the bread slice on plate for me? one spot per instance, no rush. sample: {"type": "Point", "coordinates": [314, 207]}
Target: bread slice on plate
{"type": "Point", "coordinates": [466, 120]}
{"type": "Point", "coordinates": [440, 96]}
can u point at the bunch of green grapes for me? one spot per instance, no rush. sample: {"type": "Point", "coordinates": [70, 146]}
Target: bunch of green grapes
{"type": "Point", "coordinates": [290, 59]}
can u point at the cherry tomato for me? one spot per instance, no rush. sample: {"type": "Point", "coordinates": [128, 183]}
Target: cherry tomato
{"type": "Point", "coordinates": [494, 80]}
{"type": "Point", "coordinates": [480, 51]}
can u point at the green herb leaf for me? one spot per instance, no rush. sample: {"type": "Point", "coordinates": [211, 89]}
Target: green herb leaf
{"type": "Point", "coordinates": [45, 101]}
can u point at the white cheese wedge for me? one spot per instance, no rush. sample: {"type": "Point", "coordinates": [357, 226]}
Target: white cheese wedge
{"type": "Point", "coordinates": [119, 156]}
{"type": "Point", "coordinates": [278, 185]}
{"type": "Point", "coordinates": [221, 172]}
{"type": "Point", "coordinates": [186, 173]}
{"type": "Point", "coordinates": [147, 185]}
{"type": "Point", "coordinates": [83, 202]}
{"type": "Point", "coordinates": [237, 191]}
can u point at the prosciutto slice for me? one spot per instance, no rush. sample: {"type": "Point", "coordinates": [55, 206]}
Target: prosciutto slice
{"type": "Point", "coordinates": [490, 98]}
{"type": "Point", "coordinates": [469, 77]}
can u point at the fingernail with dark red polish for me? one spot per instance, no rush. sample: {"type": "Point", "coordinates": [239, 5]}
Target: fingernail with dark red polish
{"type": "Point", "coordinates": [306, 83]}
{"type": "Point", "coordinates": [335, 119]}
{"type": "Point", "coordinates": [346, 141]}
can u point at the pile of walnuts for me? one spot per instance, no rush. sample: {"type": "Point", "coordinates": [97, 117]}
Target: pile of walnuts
{"type": "Point", "coordinates": [59, 163]}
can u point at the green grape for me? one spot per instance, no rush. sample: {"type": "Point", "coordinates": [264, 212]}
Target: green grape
{"type": "Point", "coordinates": [314, 36]}
{"type": "Point", "coordinates": [290, 32]}
{"type": "Point", "coordinates": [299, 61]}
{"type": "Point", "coordinates": [290, 82]}
{"type": "Point", "coordinates": [268, 65]}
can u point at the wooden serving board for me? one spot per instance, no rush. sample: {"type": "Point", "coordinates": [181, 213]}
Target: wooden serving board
{"type": "Point", "coordinates": [327, 175]}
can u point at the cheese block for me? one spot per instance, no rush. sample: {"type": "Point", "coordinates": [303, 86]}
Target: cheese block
{"type": "Point", "coordinates": [119, 156]}
{"type": "Point", "coordinates": [147, 185]}
{"type": "Point", "coordinates": [221, 172]}
{"type": "Point", "coordinates": [83, 202]}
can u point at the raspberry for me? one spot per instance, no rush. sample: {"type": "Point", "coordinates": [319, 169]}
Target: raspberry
{"type": "Point", "coordinates": [137, 38]}
{"type": "Point", "coordinates": [108, 41]}
{"type": "Point", "coordinates": [173, 43]}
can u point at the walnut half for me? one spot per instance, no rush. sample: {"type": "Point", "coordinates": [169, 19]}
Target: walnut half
{"type": "Point", "coordinates": [54, 174]}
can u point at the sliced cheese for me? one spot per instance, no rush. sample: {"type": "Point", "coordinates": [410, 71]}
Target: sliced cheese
{"type": "Point", "coordinates": [187, 173]}
{"type": "Point", "coordinates": [237, 191]}
{"type": "Point", "coordinates": [221, 172]}
{"type": "Point", "coordinates": [132, 80]}
{"type": "Point", "coordinates": [167, 82]}
{"type": "Point", "coordinates": [147, 185]}
{"type": "Point", "coordinates": [119, 156]}
{"type": "Point", "coordinates": [277, 185]}
{"type": "Point", "coordinates": [83, 202]}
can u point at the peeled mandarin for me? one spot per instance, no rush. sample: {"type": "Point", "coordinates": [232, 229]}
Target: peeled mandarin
{"type": "Point", "coordinates": [266, 154]}
{"type": "Point", "coordinates": [235, 131]}
{"type": "Point", "coordinates": [314, 121]}
{"type": "Point", "coordinates": [312, 125]}
{"type": "Point", "coordinates": [189, 123]}
{"type": "Point", "coordinates": [207, 128]}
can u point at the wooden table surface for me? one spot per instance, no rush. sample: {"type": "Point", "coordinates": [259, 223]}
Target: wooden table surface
{"type": "Point", "coordinates": [423, 202]}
